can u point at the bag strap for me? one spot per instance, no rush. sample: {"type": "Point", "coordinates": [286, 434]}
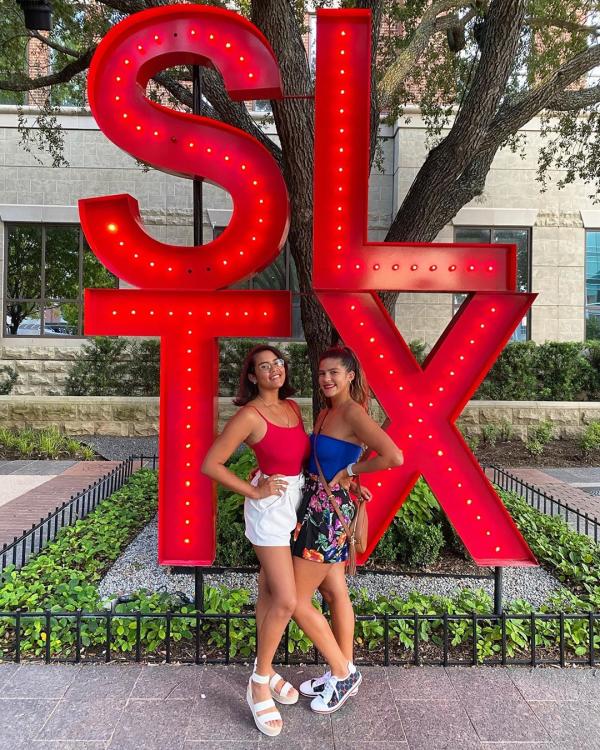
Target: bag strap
{"type": "Point", "coordinates": [330, 495]}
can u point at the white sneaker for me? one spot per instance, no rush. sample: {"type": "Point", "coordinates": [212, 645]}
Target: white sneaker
{"type": "Point", "coordinates": [314, 687]}
{"type": "Point", "coordinates": [336, 692]}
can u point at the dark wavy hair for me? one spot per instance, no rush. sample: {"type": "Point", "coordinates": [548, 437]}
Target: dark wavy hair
{"type": "Point", "coordinates": [359, 388]}
{"type": "Point", "coordinates": [247, 390]}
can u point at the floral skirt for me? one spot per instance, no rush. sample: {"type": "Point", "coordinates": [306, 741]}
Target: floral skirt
{"type": "Point", "coordinates": [319, 534]}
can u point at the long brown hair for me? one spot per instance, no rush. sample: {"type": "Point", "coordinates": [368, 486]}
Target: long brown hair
{"type": "Point", "coordinates": [359, 388]}
{"type": "Point", "coordinates": [247, 390]}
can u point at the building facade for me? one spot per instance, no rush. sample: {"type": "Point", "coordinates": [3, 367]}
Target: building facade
{"type": "Point", "coordinates": [45, 262]}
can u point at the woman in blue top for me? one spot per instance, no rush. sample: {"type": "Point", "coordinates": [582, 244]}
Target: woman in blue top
{"type": "Point", "coordinates": [320, 547]}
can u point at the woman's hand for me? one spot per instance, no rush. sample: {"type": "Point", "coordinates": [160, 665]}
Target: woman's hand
{"type": "Point", "coordinates": [360, 489]}
{"type": "Point", "coordinates": [269, 486]}
{"type": "Point", "coordinates": [342, 478]}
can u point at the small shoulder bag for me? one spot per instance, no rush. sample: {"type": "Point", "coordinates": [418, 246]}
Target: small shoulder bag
{"type": "Point", "coordinates": [357, 531]}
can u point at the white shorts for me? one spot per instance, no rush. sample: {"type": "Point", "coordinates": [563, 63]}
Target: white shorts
{"type": "Point", "coordinates": [271, 520]}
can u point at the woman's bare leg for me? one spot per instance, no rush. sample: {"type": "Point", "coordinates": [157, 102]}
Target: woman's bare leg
{"type": "Point", "coordinates": [309, 576]}
{"type": "Point", "coordinates": [263, 600]}
{"type": "Point", "coordinates": [334, 591]}
{"type": "Point", "coordinates": [279, 585]}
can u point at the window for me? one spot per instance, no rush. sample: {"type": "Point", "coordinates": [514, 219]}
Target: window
{"type": "Point", "coordinates": [47, 269]}
{"type": "Point", "coordinates": [521, 237]}
{"type": "Point", "coordinates": [592, 285]}
{"type": "Point", "coordinates": [281, 274]}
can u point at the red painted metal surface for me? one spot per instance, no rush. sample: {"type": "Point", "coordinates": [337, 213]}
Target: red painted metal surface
{"type": "Point", "coordinates": [186, 145]}
{"type": "Point", "coordinates": [188, 324]}
{"type": "Point", "coordinates": [422, 404]}
{"type": "Point", "coordinates": [343, 258]}
{"type": "Point", "coordinates": [177, 300]}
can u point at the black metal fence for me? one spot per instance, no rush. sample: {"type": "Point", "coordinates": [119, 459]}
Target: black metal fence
{"type": "Point", "coordinates": [413, 639]}
{"type": "Point", "coordinates": [206, 638]}
{"type": "Point", "coordinates": [78, 506]}
{"type": "Point", "coordinates": [583, 523]}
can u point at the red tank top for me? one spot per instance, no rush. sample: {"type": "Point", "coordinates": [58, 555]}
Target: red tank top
{"type": "Point", "coordinates": [283, 450]}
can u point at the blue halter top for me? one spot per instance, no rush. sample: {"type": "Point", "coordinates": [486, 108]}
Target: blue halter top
{"type": "Point", "coordinates": [334, 454]}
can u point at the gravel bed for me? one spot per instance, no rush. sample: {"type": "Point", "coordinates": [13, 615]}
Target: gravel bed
{"type": "Point", "coordinates": [119, 448]}
{"type": "Point", "coordinates": [138, 568]}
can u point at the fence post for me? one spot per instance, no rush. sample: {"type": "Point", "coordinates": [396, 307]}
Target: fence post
{"type": "Point", "coordinates": [198, 589]}
{"type": "Point", "coordinates": [498, 590]}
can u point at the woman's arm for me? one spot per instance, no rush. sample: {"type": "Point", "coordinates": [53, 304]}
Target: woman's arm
{"type": "Point", "coordinates": [371, 434]}
{"type": "Point", "coordinates": [237, 431]}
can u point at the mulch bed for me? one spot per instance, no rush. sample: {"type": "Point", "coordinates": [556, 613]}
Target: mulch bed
{"type": "Point", "coordinates": [449, 563]}
{"type": "Point", "coordinates": [558, 453]}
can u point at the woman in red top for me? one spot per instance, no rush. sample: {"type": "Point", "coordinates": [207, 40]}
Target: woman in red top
{"type": "Point", "coordinates": [271, 424]}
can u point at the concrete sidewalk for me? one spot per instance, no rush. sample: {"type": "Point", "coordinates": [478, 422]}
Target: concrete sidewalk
{"type": "Point", "coordinates": [170, 707]}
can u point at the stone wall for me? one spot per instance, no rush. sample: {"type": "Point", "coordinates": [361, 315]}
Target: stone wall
{"type": "Point", "coordinates": [99, 415]}
{"type": "Point", "coordinates": [42, 369]}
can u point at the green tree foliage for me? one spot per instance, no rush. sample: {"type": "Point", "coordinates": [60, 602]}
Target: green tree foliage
{"type": "Point", "coordinates": [479, 70]}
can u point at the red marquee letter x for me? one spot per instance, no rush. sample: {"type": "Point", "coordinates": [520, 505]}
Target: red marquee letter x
{"type": "Point", "coordinates": [423, 404]}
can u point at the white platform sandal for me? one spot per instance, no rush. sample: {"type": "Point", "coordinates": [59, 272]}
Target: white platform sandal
{"type": "Point", "coordinates": [282, 696]}
{"type": "Point", "coordinates": [261, 719]}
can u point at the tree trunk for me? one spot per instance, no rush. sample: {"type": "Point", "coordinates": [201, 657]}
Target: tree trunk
{"type": "Point", "coordinates": [294, 120]}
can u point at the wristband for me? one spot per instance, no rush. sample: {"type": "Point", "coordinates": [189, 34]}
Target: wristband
{"type": "Point", "coordinates": [350, 471]}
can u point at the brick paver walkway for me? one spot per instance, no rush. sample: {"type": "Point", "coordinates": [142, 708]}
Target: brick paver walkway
{"type": "Point", "coordinates": [559, 489]}
{"type": "Point", "coordinates": [20, 513]}
{"type": "Point", "coordinates": [170, 707]}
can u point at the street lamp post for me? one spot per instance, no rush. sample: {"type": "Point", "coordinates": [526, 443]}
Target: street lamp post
{"type": "Point", "coordinates": [38, 14]}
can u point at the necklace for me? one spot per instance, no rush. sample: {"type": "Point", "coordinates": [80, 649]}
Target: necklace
{"type": "Point", "coordinates": [270, 406]}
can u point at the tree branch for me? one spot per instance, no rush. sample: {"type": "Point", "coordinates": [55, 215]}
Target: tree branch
{"type": "Point", "coordinates": [573, 100]}
{"type": "Point", "coordinates": [407, 59]}
{"type": "Point", "coordinates": [445, 164]}
{"type": "Point", "coordinates": [539, 22]}
{"type": "Point", "coordinates": [550, 94]}
{"type": "Point", "coordinates": [62, 76]}
{"type": "Point", "coordinates": [53, 45]}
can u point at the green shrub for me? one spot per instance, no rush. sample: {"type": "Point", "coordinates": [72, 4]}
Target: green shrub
{"type": "Point", "coordinates": [505, 431]}
{"type": "Point", "coordinates": [592, 353]}
{"type": "Point", "coordinates": [542, 432]}
{"type": "Point", "coordinates": [573, 558]}
{"type": "Point", "coordinates": [490, 434]}
{"type": "Point", "coordinates": [553, 371]}
{"type": "Point", "coordinates": [419, 350]}
{"type": "Point", "coordinates": [9, 377]}
{"type": "Point", "coordinates": [421, 505]}
{"type": "Point", "coordinates": [419, 544]}
{"type": "Point", "coordinates": [41, 444]}
{"type": "Point", "coordinates": [513, 376]}
{"type": "Point", "coordinates": [64, 574]}
{"type": "Point", "coordinates": [538, 437]}
{"type": "Point", "coordinates": [534, 447]}
{"type": "Point", "coordinates": [473, 442]}
{"type": "Point", "coordinates": [99, 369]}
{"type": "Point", "coordinates": [233, 549]}
{"type": "Point", "coordinates": [386, 550]}
{"type": "Point", "coordinates": [299, 366]}
{"type": "Point", "coordinates": [143, 367]}
{"type": "Point", "coordinates": [590, 440]}
{"type": "Point", "coordinates": [64, 577]}
{"type": "Point", "coordinates": [563, 371]}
